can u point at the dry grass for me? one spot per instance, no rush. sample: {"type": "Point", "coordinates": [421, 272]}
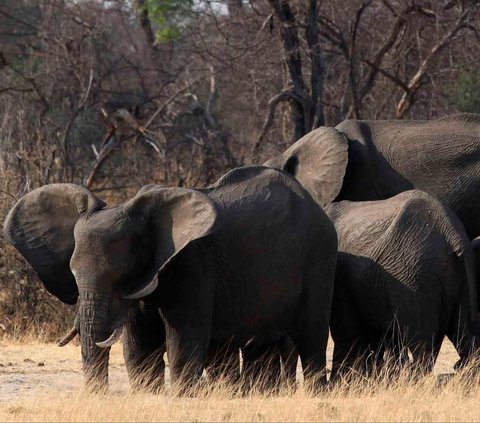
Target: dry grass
{"type": "Point", "coordinates": [40, 382]}
{"type": "Point", "coordinates": [419, 402]}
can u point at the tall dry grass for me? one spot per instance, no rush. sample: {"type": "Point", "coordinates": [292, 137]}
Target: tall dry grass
{"type": "Point", "coordinates": [424, 400]}
{"type": "Point", "coordinates": [380, 399]}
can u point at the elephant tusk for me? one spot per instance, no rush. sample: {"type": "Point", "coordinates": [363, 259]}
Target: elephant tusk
{"type": "Point", "coordinates": [114, 337]}
{"type": "Point", "coordinates": [68, 337]}
{"type": "Point", "coordinates": [143, 291]}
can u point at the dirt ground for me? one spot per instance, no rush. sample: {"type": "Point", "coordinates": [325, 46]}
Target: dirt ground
{"type": "Point", "coordinates": [30, 369]}
{"type": "Point", "coordinates": [41, 382]}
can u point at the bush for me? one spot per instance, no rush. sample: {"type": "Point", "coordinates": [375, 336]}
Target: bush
{"type": "Point", "coordinates": [465, 95]}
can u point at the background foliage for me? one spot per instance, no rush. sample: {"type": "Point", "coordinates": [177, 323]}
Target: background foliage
{"type": "Point", "coordinates": [117, 94]}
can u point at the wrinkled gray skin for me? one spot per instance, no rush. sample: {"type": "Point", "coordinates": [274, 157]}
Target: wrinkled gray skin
{"type": "Point", "coordinates": [405, 273]}
{"type": "Point", "coordinates": [236, 262]}
{"type": "Point", "coordinates": [363, 160]}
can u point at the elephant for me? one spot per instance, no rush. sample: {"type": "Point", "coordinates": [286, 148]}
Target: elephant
{"type": "Point", "coordinates": [405, 279]}
{"type": "Point", "coordinates": [365, 160]}
{"type": "Point", "coordinates": [251, 257]}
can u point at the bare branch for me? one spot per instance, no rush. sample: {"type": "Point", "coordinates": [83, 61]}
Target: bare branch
{"type": "Point", "coordinates": [352, 60]}
{"type": "Point", "coordinates": [110, 144]}
{"type": "Point", "coordinates": [172, 98]}
{"type": "Point", "coordinates": [387, 74]}
{"type": "Point", "coordinates": [80, 107]}
{"type": "Point", "coordinates": [415, 82]}
{"type": "Point", "coordinates": [383, 50]}
{"type": "Point", "coordinates": [285, 95]}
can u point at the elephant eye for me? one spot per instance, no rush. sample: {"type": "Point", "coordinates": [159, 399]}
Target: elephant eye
{"type": "Point", "coordinates": [291, 165]}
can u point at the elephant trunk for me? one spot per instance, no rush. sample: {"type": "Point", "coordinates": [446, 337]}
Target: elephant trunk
{"type": "Point", "coordinates": [93, 325]}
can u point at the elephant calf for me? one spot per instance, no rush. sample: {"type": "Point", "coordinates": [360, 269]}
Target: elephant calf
{"type": "Point", "coordinates": [405, 277]}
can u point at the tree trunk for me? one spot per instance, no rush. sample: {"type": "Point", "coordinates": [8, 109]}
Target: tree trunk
{"type": "Point", "coordinates": [300, 102]}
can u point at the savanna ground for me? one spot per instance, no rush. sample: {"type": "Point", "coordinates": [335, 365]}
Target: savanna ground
{"type": "Point", "coordinates": [41, 382]}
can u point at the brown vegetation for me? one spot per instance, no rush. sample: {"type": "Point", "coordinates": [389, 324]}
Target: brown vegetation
{"type": "Point", "coordinates": [117, 94]}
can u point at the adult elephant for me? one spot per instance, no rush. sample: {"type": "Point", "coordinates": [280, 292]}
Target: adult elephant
{"type": "Point", "coordinates": [237, 261]}
{"type": "Point", "coordinates": [405, 278]}
{"type": "Point", "coordinates": [363, 160]}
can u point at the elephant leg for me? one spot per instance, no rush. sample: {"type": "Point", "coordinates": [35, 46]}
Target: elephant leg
{"type": "Point", "coordinates": [186, 308]}
{"type": "Point", "coordinates": [186, 356]}
{"type": "Point", "coordinates": [348, 329]}
{"type": "Point", "coordinates": [223, 362]}
{"type": "Point", "coordinates": [143, 349]}
{"type": "Point", "coordinates": [311, 343]}
{"type": "Point", "coordinates": [289, 361]}
{"type": "Point", "coordinates": [187, 341]}
{"type": "Point", "coordinates": [261, 367]}
{"type": "Point", "coordinates": [458, 332]}
{"type": "Point", "coordinates": [350, 357]}
{"type": "Point", "coordinates": [374, 360]}
{"type": "Point", "coordinates": [391, 356]}
{"type": "Point", "coordinates": [425, 337]}
{"type": "Point", "coordinates": [311, 328]}
{"type": "Point", "coordinates": [424, 354]}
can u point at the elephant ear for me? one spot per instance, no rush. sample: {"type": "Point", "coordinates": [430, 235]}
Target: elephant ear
{"type": "Point", "coordinates": [318, 161]}
{"type": "Point", "coordinates": [40, 226]}
{"type": "Point", "coordinates": [174, 218]}
{"type": "Point", "coordinates": [475, 244]}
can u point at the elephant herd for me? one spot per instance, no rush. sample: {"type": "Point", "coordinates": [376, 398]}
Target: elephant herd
{"type": "Point", "coordinates": [365, 230]}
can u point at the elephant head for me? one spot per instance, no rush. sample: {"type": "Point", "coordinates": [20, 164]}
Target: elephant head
{"type": "Point", "coordinates": [104, 258]}
{"type": "Point", "coordinates": [318, 161]}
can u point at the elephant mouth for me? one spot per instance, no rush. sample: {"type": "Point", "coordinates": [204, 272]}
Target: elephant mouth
{"type": "Point", "coordinates": [112, 339]}
{"type": "Point", "coordinates": [108, 342]}
{"type": "Point", "coordinates": [115, 334]}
